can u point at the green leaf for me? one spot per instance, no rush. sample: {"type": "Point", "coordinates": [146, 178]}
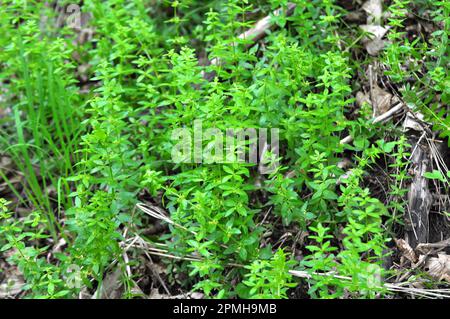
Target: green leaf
{"type": "Point", "coordinates": [6, 247]}
{"type": "Point", "coordinates": [435, 175]}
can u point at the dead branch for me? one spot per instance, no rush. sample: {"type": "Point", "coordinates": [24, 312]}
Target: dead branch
{"type": "Point", "coordinates": [419, 199]}
{"type": "Point", "coordinates": [383, 117]}
{"type": "Point", "coordinates": [259, 30]}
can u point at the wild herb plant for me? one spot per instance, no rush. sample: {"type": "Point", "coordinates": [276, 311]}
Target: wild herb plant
{"type": "Point", "coordinates": [422, 61]}
{"type": "Point", "coordinates": [37, 73]}
{"type": "Point", "coordinates": [152, 74]}
{"type": "Point", "coordinates": [357, 269]}
{"type": "Point", "coordinates": [43, 279]}
{"type": "Point", "coordinates": [269, 278]}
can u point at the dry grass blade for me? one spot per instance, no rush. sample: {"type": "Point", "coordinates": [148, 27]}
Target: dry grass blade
{"type": "Point", "coordinates": [381, 118]}
{"type": "Point", "coordinates": [158, 213]}
{"type": "Point", "coordinates": [398, 287]}
{"type": "Point", "coordinates": [259, 30]}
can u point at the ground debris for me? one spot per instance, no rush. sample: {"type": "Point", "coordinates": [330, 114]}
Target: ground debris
{"type": "Point", "coordinates": [439, 267]}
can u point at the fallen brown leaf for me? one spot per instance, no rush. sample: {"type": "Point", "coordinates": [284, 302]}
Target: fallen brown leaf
{"type": "Point", "coordinates": [381, 100]}
{"type": "Point", "coordinates": [439, 267]}
{"type": "Point", "coordinates": [406, 250]}
{"type": "Point", "coordinates": [374, 10]}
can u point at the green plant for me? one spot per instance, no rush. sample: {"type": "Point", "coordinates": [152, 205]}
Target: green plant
{"type": "Point", "coordinates": [357, 268]}
{"type": "Point", "coordinates": [268, 278]}
{"type": "Point", "coordinates": [44, 279]}
{"type": "Point", "coordinates": [46, 109]}
{"type": "Point", "coordinates": [422, 61]}
{"type": "Point", "coordinates": [87, 160]}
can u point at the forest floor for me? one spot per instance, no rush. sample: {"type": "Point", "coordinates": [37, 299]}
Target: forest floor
{"type": "Point", "coordinates": [358, 206]}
